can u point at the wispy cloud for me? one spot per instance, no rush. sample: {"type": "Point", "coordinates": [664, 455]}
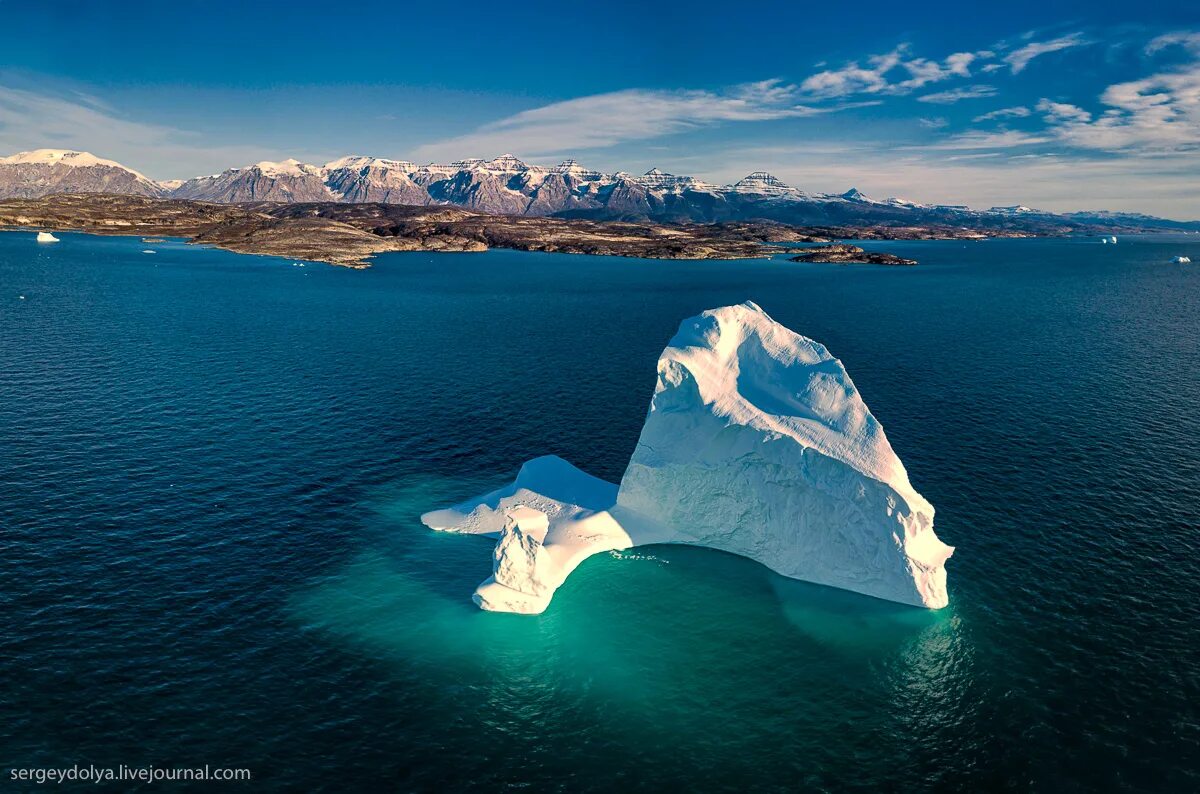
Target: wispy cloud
{"type": "Point", "coordinates": [603, 120]}
{"type": "Point", "coordinates": [958, 94]}
{"type": "Point", "coordinates": [1189, 40]}
{"type": "Point", "coordinates": [1060, 112]}
{"type": "Point", "coordinates": [1018, 59]}
{"type": "Point", "coordinates": [1156, 114]}
{"type": "Point", "coordinates": [852, 78]}
{"type": "Point", "coordinates": [1005, 113]}
{"type": "Point", "coordinates": [990, 140]}
{"type": "Point", "coordinates": [75, 120]}
{"type": "Point", "coordinates": [885, 74]}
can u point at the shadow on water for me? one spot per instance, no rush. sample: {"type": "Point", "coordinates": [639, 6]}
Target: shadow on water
{"type": "Point", "coordinates": [849, 622]}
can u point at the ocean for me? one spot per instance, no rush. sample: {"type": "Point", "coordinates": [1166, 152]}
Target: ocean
{"type": "Point", "coordinates": [212, 468]}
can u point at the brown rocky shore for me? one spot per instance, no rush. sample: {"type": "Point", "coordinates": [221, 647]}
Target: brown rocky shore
{"type": "Point", "coordinates": [350, 234]}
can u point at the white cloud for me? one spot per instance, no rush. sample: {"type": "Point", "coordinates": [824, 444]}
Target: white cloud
{"type": "Point", "coordinates": [1005, 113]}
{"type": "Point", "coordinates": [874, 77]}
{"type": "Point", "coordinates": [603, 120]}
{"type": "Point", "coordinates": [959, 94]}
{"type": "Point", "coordinates": [959, 62]}
{"type": "Point", "coordinates": [1156, 114]}
{"type": "Point", "coordinates": [922, 71]}
{"type": "Point", "coordinates": [1059, 112]}
{"type": "Point", "coordinates": [933, 123]}
{"type": "Point", "coordinates": [1018, 59]}
{"type": "Point", "coordinates": [853, 79]}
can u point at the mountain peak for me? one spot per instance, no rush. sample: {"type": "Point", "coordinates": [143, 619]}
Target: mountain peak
{"type": "Point", "coordinates": [288, 167]}
{"type": "Point", "coordinates": [40, 172]}
{"type": "Point", "coordinates": [761, 176]}
{"type": "Point", "coordinates": [67, 157]}
{"type": "Point", "coordinates": [762, 183]}
{"type": "Point", "coordinates": [571, 167]}
{"type": "Point", "coordinates": [350, 161]}
{"type": "Point", "coordinates": [507, 163]}
{"type": "Point", "coordinates": [364, 161]}
{"type": "Point", "coordinates": [854, 194]}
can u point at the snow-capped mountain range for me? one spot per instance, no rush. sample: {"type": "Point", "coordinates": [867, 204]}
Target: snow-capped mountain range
{"type": "Point", "coordinates": [507, 185]}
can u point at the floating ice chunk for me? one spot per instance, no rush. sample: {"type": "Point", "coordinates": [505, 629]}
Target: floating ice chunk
{"type": "Point", "coordinates": [550, 519]}
{"type": "Point", "coordinates": [46, 237]}
{"type": "Point", "coordinates": [1181, 260]}
{"type": "Point", "coordinates": [758, 443]}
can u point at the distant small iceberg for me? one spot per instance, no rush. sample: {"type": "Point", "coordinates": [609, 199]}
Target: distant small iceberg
{"type": "Point", "coordinates": [149, 251]}
{"type": "Point", "coordinates": [1112, 239]}
{"type": "Point", "coordinates": [1181, 260]}
{"type": "Point", "coordinates": [46, 237]}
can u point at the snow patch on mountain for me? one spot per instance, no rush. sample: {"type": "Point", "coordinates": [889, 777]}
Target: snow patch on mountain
{"type": "Point", "coordinates": [289, 167]}
{"type": "Point", "coordinates": [66, 157]}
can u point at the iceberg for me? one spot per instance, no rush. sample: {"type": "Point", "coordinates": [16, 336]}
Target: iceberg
{"type": "Point", "coordinates": [1181, 260]}
{"type": "Point", "coordinates": [550, 519]}
{"type": "Point", "coordinates": [756, 443]}
{"type": "Point", "coordinates": [46, 237]}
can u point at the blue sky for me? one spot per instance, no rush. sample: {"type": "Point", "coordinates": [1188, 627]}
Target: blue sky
{"type": "Point", "coordinates": [1062, 105]}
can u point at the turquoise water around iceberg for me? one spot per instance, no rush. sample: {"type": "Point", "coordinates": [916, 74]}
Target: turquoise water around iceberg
{"type": "Point", "coordinates": [211, 469]}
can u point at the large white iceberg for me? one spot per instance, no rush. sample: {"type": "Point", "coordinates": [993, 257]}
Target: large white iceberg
{"type": "Point", "coordinates": [756, 443]}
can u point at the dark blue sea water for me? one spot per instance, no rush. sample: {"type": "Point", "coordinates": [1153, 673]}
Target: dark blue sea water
{"type": "Point", "coordinates": [211, 469]}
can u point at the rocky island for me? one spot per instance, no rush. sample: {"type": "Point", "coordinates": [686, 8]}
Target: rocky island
{"type": "Point", "coordinates": [349, 234]}
{"type": "Point", "coordinates": [844, 254]}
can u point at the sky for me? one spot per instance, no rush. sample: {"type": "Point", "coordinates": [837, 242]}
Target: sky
{"type": "Point", "coordinates": [1056, 105]}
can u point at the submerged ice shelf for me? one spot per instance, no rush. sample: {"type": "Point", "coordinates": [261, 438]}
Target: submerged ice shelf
{"type": "Point", "coordinates": [756, 443]}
